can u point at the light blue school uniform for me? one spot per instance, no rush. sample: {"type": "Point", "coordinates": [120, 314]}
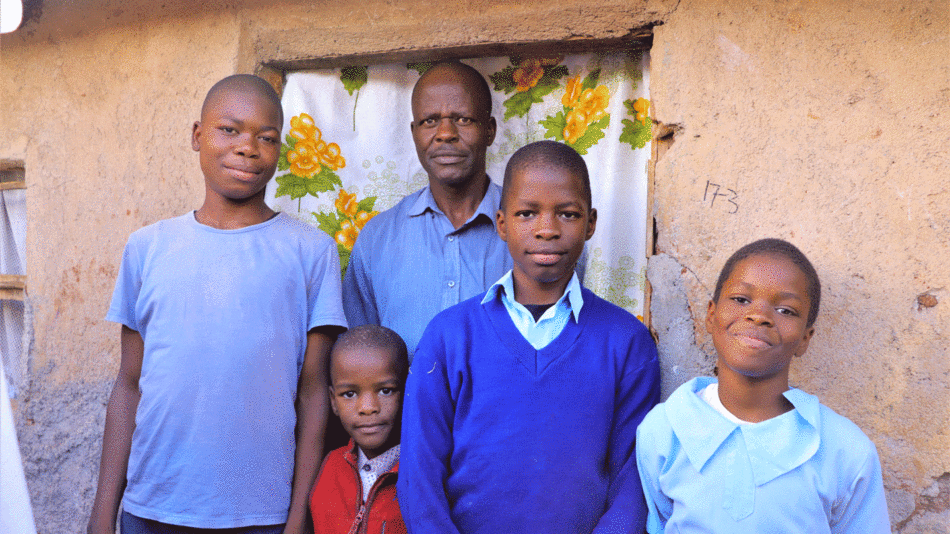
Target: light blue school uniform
{"type": "Point", "coordinates": [808, 470]}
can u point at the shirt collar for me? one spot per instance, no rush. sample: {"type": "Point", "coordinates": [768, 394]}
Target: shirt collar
{"type": "Point", "coordinates": [774, 447]}
{"type": "Point", "coordinates": [505, 289]}
{"type": "Point", "coordinates": [487, 207]}
{"type": "Point", "coordinates": [382, 463]}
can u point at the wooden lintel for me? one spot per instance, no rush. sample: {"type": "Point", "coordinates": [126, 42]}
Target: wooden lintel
{"type": "Point", "coordinates": [17, 184]}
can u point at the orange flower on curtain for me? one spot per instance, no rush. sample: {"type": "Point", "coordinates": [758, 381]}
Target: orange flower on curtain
{"type": "Point", "coordinates": [584, 117]}
{"type": "Point", "coordinates": [529, 78]}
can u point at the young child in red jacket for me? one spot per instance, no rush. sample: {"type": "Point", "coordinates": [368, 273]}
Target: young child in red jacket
{"type": "Point", "coordinates": [356, 489]}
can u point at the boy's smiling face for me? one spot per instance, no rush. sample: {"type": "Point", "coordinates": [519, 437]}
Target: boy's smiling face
{"type": "Point", "coordinates": [238, 139]}
{"type": "Point", "coordinates": [760, 321]}
{"type": "Point", "coordinates": [545, 219]}
{"type": "Point", "coordinates": [366, 393]}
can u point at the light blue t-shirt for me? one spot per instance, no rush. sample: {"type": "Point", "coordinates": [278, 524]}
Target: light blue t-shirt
{"type": "Point", "coordinates": [224, 315]}
{"type": "Point", "coordinates": [542, 332]}
{"type": "Point", "coordinates": [808, 470]}
{"type": "Point", "coordinates": [409, 263]}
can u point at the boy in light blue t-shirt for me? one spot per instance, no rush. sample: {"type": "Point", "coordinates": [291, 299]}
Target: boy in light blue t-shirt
{"type": "Point", "coordinates": [228, 313]}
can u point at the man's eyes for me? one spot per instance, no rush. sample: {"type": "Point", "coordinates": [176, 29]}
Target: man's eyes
{"type": "Point", "coordinates": [432, 122]}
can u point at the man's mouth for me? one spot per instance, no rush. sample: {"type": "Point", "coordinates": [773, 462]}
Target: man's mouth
{"type": "Point", "coordinates": [448, 158]}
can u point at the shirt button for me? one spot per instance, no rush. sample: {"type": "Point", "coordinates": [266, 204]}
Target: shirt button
{"type": "Point", "coordinates": [451, 238]}
{"type": "Point", "coordinates": [367, 468]}
{"type": "Point", "coordinates": [451, 283]}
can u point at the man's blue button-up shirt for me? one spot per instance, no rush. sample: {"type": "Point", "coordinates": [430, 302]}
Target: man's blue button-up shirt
{"type": "Point", "coordinates": [409, 263]}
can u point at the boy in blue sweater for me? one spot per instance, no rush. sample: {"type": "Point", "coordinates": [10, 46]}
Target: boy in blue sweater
{"type": "Point", "coordinates": [522, 405]}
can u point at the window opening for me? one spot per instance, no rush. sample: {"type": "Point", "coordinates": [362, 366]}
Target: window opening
{"type": "Point", "coordinates": [14, 304]}
{"type": "Point", "coordinates": [347, 151]}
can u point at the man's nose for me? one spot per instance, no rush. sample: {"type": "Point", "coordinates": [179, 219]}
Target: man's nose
{"type": "Point", "coordinates": [446, 131]}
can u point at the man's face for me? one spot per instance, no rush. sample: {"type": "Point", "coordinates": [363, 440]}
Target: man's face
{"type": "Point", "coordinates": [451, 128]}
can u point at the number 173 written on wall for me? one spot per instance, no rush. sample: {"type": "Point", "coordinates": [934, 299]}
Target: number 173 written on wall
{"type": "Point", "coordinates": [727, 197]}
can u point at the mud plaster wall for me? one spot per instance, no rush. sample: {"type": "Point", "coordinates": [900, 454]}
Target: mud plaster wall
{"type": "Point", "coordinates": [827, 119]}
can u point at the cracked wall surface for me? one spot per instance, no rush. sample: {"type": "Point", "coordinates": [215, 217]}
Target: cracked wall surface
{"type": "Point", "coordinates": [819, 121]}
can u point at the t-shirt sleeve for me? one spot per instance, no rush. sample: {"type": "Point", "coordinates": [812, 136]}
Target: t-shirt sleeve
{"type": "Point", "coordinates": [128, 285]}
{"type": "Point", "coordinates": [324, 292]}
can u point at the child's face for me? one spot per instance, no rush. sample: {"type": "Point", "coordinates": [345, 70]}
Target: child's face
{"type": "Point", "coordinates": [366, 393]}
{"type": "Point", "coordinates": [545, 221]}
{"type": "Point", "coordinates": [759, 323]}
{"type": "Point", "coordinates": [238, 139]}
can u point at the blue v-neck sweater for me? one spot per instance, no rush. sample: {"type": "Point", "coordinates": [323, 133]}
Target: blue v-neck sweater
{"type": "Point", "coordinates": [500, 437]}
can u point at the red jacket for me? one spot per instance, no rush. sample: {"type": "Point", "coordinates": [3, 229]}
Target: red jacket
{"type": "Point", "coordinates": [336, 501]}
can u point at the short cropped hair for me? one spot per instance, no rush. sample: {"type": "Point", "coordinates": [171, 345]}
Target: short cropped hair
{"type": "Point", "coordinates": [378, 337]}
{"type": "Point", "coordinates": [475, 82]}
{"type": "Point", "coordinates": [243, 83]}
{"type": "Point", "coordinates": [778, 247]}
{"type": "Point", "coordinates": [546, 153]}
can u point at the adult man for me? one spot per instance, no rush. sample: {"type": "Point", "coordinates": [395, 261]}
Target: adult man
{"type": "Point", "coordinates": [437, 246]}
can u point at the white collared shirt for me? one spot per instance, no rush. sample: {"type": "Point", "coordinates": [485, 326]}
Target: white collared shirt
{"type": "Point", "coordinates": [371, 470]}
{"type": "Point", "coordinates": [542, 332]}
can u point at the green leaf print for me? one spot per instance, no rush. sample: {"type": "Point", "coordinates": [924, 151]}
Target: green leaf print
{"type": "Point", "coordinates": [594, 133]}
{"type": "Point", "coordinates": [353, 77]}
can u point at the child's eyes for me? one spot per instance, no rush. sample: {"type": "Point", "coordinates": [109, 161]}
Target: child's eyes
{"type": "Point", "coordinates": [524, 213]}
{"type": "Point", "coordinates": [740, 300]}
{"type": "Point", "coordinates": [228, 130]}
{"type": "Point", "coordinates": [787, 311]}
{"type": "Point", "coordinates": [387, 391]}
{"type": "Point", "coordinates": [348, 394]}
{"type": "Point", "coordinates": [270, 140]}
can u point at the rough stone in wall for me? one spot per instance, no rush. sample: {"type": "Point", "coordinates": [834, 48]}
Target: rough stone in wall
{"type": "Point", "coordinates": [672, 320]}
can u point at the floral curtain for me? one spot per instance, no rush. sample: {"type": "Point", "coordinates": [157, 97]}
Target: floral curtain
{"type": "Point", "coordinates": [348, 153]}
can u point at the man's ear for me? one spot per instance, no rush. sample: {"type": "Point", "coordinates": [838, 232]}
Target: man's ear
{"type": "Point", "coordinates": [195, 134]}
{"type": "Point", "coordinates": [492, 129]}
{"type": "Point", "coordinates": [500, 225]}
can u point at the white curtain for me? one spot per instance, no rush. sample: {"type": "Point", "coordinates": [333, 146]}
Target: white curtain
{"type": "Point", "coordinates": [14, 338]}
{"type": "Point", "coordinates": [348, 154]}
{"type": "Point", "coordinates": [16, 514]}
